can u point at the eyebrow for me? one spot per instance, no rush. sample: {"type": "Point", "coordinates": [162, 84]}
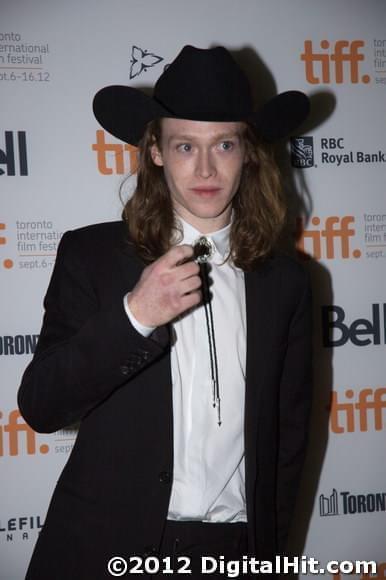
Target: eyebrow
{"type": "Point", "coordinates": [218, 137]}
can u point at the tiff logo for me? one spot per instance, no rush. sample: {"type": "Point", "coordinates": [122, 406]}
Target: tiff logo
{"type": "Point", "coordinates": [10, 436]}
{"type": "Point", "coordinates": [328, 506]}
{"type": "Point", "coordinates": [333, 58]}
{"type": "Point", "coordinates": [8, 154]}
{"type": "Point", "coordinates": [348, 416]}
{"type": "Point", "coordinates": [329, 241]}
{"type": "Point", "coordinates": [302, 152]}
{"type": "Point", "coordinates": [123, 158]}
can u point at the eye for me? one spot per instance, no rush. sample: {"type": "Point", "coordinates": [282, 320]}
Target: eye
{"type": "Point", "coordinates": [184, 147]}
{"type": "Point", "coordinates": [226, 145]}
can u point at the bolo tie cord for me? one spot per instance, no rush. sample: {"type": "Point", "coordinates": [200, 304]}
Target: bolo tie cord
{"type": "Point", "coordinates": [203, 251]}
{"type": "Point", "coordinates": [211, 339]}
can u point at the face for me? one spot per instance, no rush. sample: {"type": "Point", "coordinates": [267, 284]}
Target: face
{"type": "Point", "coordinates": [202, 163]}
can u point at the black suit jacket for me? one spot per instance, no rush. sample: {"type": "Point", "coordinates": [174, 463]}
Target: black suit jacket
{"type": "Point", "coordinates": [92, 366]}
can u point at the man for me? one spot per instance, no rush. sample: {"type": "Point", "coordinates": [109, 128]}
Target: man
{"type": "Point", "coordinates": [188, 368]}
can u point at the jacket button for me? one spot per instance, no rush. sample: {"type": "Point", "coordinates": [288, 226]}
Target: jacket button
{"type": "Point", "coordinates": [164, 477]}
{"type": "Point", "coordinates": [124, 370]}
{"type": "Point", "coordinates": [150, 551]}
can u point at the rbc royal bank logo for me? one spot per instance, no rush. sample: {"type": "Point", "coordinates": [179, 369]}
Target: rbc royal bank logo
{"type": "Point", "coordinates": [330, 151]}
{"type": "Point", "coordinates": [302, 152]}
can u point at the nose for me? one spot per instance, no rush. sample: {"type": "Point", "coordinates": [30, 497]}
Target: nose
{"type": "Point", "coordinates": [205, 166]}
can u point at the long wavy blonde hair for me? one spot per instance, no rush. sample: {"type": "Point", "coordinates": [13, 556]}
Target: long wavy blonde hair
{"type": "Point", "coordinates": [258, 207]}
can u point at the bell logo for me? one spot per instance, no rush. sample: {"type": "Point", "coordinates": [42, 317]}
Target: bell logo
{"type": "Point", "coordinates": [361, 332]}
{"type": "Point", "coordinates": [123, 159]}
{"type": "Point", "coordinates": [328, 242]}
{"type": "Point", "coordinates": [15, 146]}
{"type": "Point", "coordinates": [13, 431]}
{"type": "Point", "coordinates": [349, 415]}
{"type": "Point", "coordinates": [333, 58]}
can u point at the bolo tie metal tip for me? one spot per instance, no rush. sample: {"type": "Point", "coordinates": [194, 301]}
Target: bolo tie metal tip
{"type": "Point", "coordinates": [218, 405]}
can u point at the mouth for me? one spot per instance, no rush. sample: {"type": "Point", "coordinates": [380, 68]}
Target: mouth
{"type": "Point", "coordinates": [206, 190]}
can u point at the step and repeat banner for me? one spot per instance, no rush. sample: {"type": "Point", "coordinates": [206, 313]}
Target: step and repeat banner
{"type": "Point", "coordinates": [59, 170]}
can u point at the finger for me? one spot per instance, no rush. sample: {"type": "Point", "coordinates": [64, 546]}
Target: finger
{"type": "Point", "coordinates": [177, 255]}
{"type": "Point", "coordinates": [190, 285]}
{"type": "Point", "coordinates": [190, 300]}
{"type": "Point", "coordinates": [187, 270]}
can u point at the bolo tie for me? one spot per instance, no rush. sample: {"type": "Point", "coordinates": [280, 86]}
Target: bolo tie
{"type": "Point", "coordinates": [203, 250]}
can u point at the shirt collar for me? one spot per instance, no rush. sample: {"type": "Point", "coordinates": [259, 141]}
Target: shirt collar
{"type": "Point", "coordinates": [219, 238]}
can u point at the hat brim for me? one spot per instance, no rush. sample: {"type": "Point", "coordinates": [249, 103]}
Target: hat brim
{"type": "Point", "coordinates": [124, 112]}
{"type": "Point", "coordinates": [280, 116]}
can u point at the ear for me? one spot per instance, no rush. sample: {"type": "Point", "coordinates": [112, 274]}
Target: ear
{"type": "Point", "coordinates": [156, 155]}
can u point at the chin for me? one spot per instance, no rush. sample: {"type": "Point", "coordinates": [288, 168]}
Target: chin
{"type": "Point", "coordinates": [211, 210]}
{"type": "Point", "coordinates": [209, 215]}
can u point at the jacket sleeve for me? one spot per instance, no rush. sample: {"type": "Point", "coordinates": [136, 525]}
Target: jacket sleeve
{"type": "Point", "coordinates": [84, 351]}
{"type": "Point", "coordinates": [294, 411]}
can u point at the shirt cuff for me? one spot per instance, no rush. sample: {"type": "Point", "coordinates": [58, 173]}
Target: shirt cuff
{"type": "Point", "coordinates": [141, 328]}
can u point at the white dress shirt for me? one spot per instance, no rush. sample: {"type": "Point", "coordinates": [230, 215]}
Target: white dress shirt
{"type": "Point", "coordinates": [209, 474]}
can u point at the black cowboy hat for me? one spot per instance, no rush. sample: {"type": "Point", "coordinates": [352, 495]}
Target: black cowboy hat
{"type": "Point", "coordinates": [199, 85]}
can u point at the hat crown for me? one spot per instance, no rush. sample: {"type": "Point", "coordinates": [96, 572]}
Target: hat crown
{"type": "Point", "coordinates": [204, 84]}
{"type": "Point", "coordinates": [199, 85]}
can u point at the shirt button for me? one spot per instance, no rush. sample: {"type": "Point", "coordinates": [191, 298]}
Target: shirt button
{"type": "Point", "coordinates": [164, 477]}
{"type": "Point", "coordinates": [150, 551]}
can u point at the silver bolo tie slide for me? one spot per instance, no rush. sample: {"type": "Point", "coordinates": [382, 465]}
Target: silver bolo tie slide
{"type": "Point", "coordinates": [204, 249]}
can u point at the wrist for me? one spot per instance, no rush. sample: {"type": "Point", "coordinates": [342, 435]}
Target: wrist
{"type": "Point", "coordinates": [139, 325]}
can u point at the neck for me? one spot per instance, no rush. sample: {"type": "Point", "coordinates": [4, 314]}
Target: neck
{"type": "Point", "coordinates": [206, 226]}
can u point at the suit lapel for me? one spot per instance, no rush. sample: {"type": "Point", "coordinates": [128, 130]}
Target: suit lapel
{"type": "Point", "coordinates": [261, 305]}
